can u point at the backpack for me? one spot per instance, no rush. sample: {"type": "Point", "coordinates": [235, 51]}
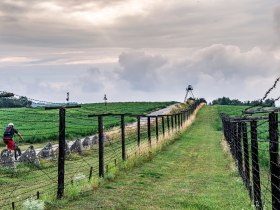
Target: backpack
{"type": "Point", "coordinates": [9, 132]}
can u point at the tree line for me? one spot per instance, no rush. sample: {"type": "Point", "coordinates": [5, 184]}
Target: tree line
{"type": "Point", "coordinates": [15, 102]}
{"type": "Point", "coordinates": [236, 102]}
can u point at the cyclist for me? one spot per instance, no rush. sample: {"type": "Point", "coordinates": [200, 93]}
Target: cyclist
{"type": "Point", "coordinates": [8, 137]}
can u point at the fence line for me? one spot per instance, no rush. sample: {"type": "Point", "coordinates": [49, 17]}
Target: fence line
{"type": "Point", "coordinates": [254, 144]}
{"type": "Point", "coordinates": [89, 157]}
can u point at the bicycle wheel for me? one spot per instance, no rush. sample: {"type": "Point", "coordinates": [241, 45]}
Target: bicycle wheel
{"type": "Point", "coordinates": [17, 152]}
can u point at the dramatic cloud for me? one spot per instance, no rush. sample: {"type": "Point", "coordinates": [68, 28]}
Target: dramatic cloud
{"type": "Point", "coordinates": [132, 23]}
{"type": "Point", "coordinates": [139, 50]}
{"type": "Point", "coordinates": [218, 70]}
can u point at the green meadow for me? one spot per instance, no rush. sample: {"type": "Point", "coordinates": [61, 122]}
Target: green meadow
{"type": "Point", "coordinates": [38, 125]}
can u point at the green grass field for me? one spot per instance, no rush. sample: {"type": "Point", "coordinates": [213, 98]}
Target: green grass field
{"type": "Point", "coordinates": [39, 125]}
{"type": "Point", "coordinates": [26, 180]}
{"type": "Point", "coordinates": [192, 173]}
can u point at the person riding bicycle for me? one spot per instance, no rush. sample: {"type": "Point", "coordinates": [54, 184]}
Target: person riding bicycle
{"type": "Point", "coordinates": [8, 136]}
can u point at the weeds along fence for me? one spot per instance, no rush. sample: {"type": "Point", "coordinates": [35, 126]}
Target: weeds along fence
{"type": "Point", "coordinates": [59, 170]}
{"type": "Point", "coordinates": [254, 144]}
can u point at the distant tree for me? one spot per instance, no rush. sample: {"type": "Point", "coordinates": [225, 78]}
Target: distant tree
{"type": "Point", "coordinates": [15, 102]}
{"type": "Point", "coordinates": [269, 102]}
{"type": "Point", "coordinates": [236, 102]}
{"type": "Point", "coordinates": [226, 101]}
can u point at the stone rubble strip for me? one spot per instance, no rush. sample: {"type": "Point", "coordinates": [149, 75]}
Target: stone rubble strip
{"type": "Point", "coordinates": [50, 152]}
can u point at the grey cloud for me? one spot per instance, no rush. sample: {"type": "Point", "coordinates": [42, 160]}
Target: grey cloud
{"type": "Point", "coordinates": [92, 81]}
{"type": "Point", "coordinates": [230, 61]}
{"type": "Point", "coordinates": [276, 17]}
{"type": "Point", "coordinates": [8, 7]}
{"type": "Point", "coordinates": [214, 71]}
{"type": "Point", "coordinates": [140, 69]}
{"type": "Point", "coordinates": [180, 24]}
{"type": "Point", "coordinates": [218, 70]}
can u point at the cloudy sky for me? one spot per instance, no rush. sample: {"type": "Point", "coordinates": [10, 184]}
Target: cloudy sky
{"type": "Point", "coordinates": [139, 50]}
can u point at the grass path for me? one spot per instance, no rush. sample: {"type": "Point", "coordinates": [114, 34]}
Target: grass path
{"type": "Point", "coordinates": [192, 173]}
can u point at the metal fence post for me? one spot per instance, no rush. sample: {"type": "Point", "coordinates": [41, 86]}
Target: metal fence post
{"type": "Point", "coordinates": [255, 165]}
{"type": "Point", "coordinates": [274, 165]}
{"type": "Point", "coordinates": [100, 146]}
{"type": "Point", "coordinates": [123, 137]}
{"type": "Point", "coordinates": [61, 154]}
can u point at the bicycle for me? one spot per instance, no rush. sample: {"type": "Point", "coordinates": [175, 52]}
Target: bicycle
{"type": "Point", "coordinates": [17, 152]}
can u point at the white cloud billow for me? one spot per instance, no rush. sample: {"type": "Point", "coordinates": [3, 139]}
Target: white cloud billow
{"type": "Point", "coordinates": [218, 70]}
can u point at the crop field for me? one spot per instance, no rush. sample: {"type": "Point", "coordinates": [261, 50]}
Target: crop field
{"type": "Point", "coordinates": [39, 125]}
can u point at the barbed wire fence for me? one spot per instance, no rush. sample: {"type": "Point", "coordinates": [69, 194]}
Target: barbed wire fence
{"type": "Point", "coordinates": [51, 172]}
{"type": "Point", "coordinates": [260, 105]}
{"type": "Point", "coordinates": [255, 147]}
{"type": "Point", "coordinates": [253, 138]}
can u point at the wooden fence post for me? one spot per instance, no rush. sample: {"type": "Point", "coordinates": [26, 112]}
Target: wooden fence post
{"type": "Point", "coordinates": [179, 120]}
{"type": "Point", "coordinates": [90, 173]}
{"type": "Point", "coordinates": [168, 124]}
{"type": "Point", "coordinates": [172, 122]}
{"type": "Point", "coordinates": [232, 134]}
{"type": "Point", "coordinates": [138, 131]}
{"type": "Point", "coordinates": [157, 129]}
{"type": "Point", "coordinates": [176, 121]}
{"type": "Point", "coordinates": [246, 159]}
{"type": "Point", "coordinates": [149, 131]}
{"type": "Point", "coordinates": [162, 124]}
{"type": "Point", "coordinates": [100, 146]}
{"type": "Point", "coordinates": [123, 138]}
{"type": "Point", "coordinates": [239, 149]}
{"type": "Point", "coordinates": [61, 154]}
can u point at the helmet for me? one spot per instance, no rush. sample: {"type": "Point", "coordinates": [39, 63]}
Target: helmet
{"type": "Point", "coordinates": [10, 124]}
